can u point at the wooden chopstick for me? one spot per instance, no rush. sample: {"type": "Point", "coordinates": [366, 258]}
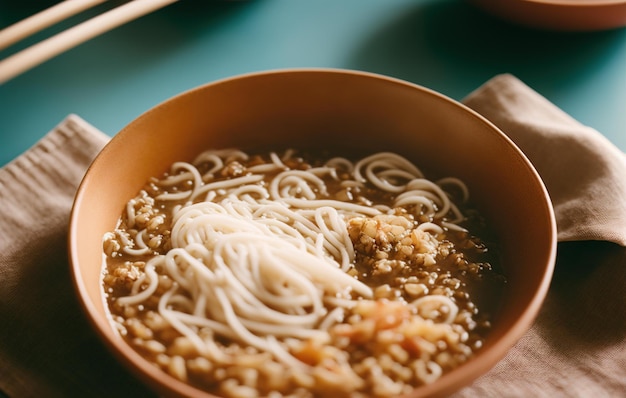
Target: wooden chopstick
{"type": "Point", "coordinates": [49, 48]}
{"type": "Point", "coordinates": [43, 19]}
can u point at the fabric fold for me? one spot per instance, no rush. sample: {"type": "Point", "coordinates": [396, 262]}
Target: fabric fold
{"type": "Point", "coordinates": [47, 348]}
{"type": "Point", "coordinates": [47, 175]}
{"type": "Point", "coordinates": [584, 173]}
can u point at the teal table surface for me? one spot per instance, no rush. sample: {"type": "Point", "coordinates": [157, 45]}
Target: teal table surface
{"type": "Point", "coordinates": [445, 45]}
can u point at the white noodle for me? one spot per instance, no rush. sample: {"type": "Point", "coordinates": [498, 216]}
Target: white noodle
{"type": "Point", "coordinates": [428, 372]}
{"type": "Point", "coordinates": [140, 296]}
{"type": "Point", "coordinates": [130, 213]}
{"type": "Point", "coordinates": [442, 301]}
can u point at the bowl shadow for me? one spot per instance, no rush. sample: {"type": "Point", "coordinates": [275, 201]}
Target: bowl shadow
{"type": "Point", "coordinates": [455, 47]}
{"type": "Point", "coordinates": [586, 308]}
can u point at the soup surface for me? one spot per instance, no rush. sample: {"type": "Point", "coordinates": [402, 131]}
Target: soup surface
{"type": "Point", "coordinates": [302, 274]}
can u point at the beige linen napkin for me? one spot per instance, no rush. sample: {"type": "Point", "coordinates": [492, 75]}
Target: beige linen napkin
{"type": "Point", "coordinates": [577, 347]}
{"type": "Point", "coordinates": [47, 349]}
{"type": "Point", "coordinates": [583, 171]}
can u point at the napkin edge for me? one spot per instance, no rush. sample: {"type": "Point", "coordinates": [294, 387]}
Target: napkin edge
{"type": "Point", "coordinates": [71, 127]}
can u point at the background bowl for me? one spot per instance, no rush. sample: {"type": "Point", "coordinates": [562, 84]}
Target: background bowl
{"type": "Point", "coordinates": [316, 108]}
{"type": "Point", "coordinates": [563, 15]}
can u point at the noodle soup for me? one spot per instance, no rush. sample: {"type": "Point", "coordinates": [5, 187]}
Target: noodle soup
{"type": "Point", "coordinates": [294, 274]}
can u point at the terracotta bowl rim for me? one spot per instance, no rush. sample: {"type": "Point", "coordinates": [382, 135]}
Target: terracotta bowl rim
{"type": "Point", "coordinates": [578, 3]}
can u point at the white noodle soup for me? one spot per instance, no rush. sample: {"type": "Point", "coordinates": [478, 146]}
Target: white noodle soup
{"type": "Point", "coordinates": [294, 274]}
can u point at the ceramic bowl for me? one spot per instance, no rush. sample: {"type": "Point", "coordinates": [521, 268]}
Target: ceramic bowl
{"type": "Point", "coordinates": [313, 108]}
{"type": "Point", "coordinates": [560, 15]}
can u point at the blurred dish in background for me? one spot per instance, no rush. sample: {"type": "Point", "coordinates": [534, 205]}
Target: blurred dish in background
{"type": "Point", "coordinates": [563, 15]}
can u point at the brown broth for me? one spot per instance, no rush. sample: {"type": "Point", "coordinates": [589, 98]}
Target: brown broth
{"type": "Point", "coordinates": [467, 271]}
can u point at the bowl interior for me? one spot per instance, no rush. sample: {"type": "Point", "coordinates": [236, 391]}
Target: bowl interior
{"type": "Point", "coordinates": [316, 108]}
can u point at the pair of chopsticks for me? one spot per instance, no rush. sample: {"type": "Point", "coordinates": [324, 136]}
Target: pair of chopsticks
{"type": "Point", "coordinates": [38, 53]}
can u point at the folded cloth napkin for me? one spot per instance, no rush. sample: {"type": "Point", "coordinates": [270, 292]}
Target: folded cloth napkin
{"type": "Point", "coordinates": [47, 348]}
{"type": "Point", "coordinates": [577, 347]}
{"type": "Point", "coordinates": [583, 171]}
